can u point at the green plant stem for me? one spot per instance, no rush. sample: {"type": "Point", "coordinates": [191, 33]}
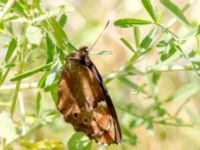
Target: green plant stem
{"type": "Point", "coordinates": [166, 29]}
{"type": "Point", "coordinates": [154, 121]}
{"type": "Point", "coordinates": [6, 8]}
{"type": "Point", "coordinates": [181, 107]}
{"type": "Point", "coordinates": [20, 64]}
{"type": "Point", "coordinates": [14, 100]}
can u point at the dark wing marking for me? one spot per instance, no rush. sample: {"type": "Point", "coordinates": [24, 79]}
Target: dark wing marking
{"type": "Point", "coordinates": [109, 103]}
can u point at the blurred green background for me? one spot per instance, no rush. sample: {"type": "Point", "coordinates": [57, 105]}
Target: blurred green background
{"type": "Point", "coordinates": [157, 101]}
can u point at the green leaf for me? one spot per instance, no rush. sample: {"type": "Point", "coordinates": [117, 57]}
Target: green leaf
{"type": "Point", "coordinates": [131, 70]}
{"type": "Point", "coordinates": [53, 75]}
{"type": "Point", "coordinates": [185, 92]}
{"type": "Point", "coordinates": [54, 93]}
{"type": "Point", "coordinates": [50, 49]}
{"type": "Point", "coordinates": [136, 32]}
{"type": "Point", "coordinates": [54, 12]}
{"type": "Point", "coordinates": [146, 42]}
{"type": "Point", "coordinates": [132, 138]}
{"type": "Point", "coordinates": [41, 82]}
{"type": "Point", "coordinates": [154, 79]}
{"type": "Point", "coordinates": [128, 82]}
{"type": "Point", "coordinates": [58, 33]}
{"type": "Point", "coordinates": [169, 52]}
{"type": "Point", "coordinates": [30, 72]}
{"type": "Point", "coordinates": [149, 126]}
{"type": "Point", "coordinates": [19, 9]}
{"type": "Point", "coordinates": [11, 48]}
{"type": "Point", "coordinates": [63, 20]}
{"type": "Point", "coordinates": [127, 44]}
{"type": "Point", "coordinates": [162, 43]}
{"type": "Point", "coordinates": [149, 8]}
{"type": "Point", "coordinates": [130, 22]}
{"type": "Point", "coordinates": [34, 35]}
{"type": "Point", "coordinates": [75, 142]}
{"type": "Point", "coordinates": [176, 11]}
{"type": "Point", "coordinates": [101, 52]}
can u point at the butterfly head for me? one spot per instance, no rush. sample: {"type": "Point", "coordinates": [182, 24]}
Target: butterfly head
{"type": "Point", "coordinates": [78, 54]}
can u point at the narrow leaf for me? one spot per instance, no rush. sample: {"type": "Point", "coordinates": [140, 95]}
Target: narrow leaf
{"type": "Point", "coordinates": [41, 82]}
{"type": "Point", "coordinates": [101, 52]}
{"type": "Point", "coordinates": [132, 138]}
{"type": "Point", "coordinates": [11, 48]}
{"type": "Point", "coordinates": [58, 33]}
{"type": "Point", "coordinates": [185, 92]}
{"type": "Point", "coordinates": [136, 32]}
{"type": "Point", "coordinates": [130, 22]}
{"type": "Point", "coordinates": [63, 20]}
{"type": "Point", "coordinates": [149, 8]}
{"type": "Point", "coordinates": [128, 82]}
{"type": "Point", "coordinates": [176, 11]}
{"type": "Point", "coordinates": [127, 44]}
{"type": "Point", "coordinates": [50, 49]}
{"type": "Point", "coordinates": [54, 93]}
{"type": "Point", "coordinates": [144, 45]}
{"type": "Point", "coordinates": [53, 75]}
{"type": "Point", "coordinates": [154, 80]}
{"type": "Point", "coordinates": [30, 73]}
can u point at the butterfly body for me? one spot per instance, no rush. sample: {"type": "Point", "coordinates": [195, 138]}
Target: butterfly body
{"type": "Point", "coordinates": [81, 96]}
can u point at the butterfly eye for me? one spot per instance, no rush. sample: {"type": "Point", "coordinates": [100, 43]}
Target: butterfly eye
{"type": "Point", "coordinates": [85, 120]}
{"type": "Point", "coordinates": [75, 115]}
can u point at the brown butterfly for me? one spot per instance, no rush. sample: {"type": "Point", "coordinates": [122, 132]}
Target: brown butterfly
{"type": "Point", "coordinates": [84, 100]}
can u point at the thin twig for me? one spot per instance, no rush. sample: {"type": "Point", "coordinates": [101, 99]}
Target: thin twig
{"type": "Point", "coordinates": [174, 124]}
{"type": "Point", "coordinates": [181, 107]}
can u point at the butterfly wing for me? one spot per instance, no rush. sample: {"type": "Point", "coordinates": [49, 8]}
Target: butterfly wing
{"type": "Point", "coordinates": [80, 96]}
{"type": "Point", "coordinates": [81, 91]}
{"type": "Point", "coordinates": [108, 100]}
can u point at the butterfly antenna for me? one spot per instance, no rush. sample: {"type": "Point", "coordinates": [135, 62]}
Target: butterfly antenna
{"type": "Point", "coordinates": [99, 36]}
